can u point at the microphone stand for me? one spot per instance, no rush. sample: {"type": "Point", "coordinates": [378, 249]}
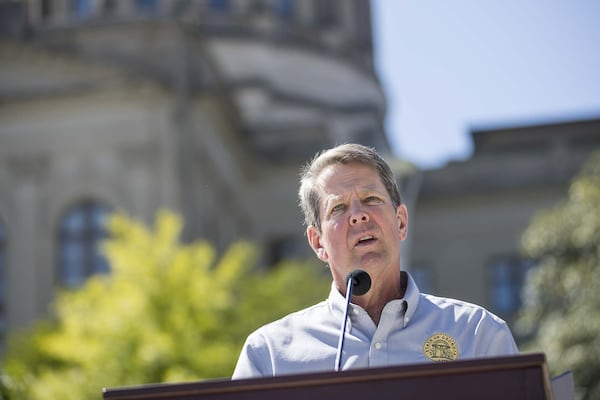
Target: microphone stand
{"type": "Point", "coordinates": [338, 357]}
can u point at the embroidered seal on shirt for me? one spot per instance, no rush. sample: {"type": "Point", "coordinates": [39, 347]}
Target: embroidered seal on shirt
{"type": "Point", "coordinates": [440, 347]}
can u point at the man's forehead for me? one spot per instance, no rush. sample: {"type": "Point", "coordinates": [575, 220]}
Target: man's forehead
{"type": "Point", "coordinates": [352, 169]}
{"type": "Point", "coordinates": [332, 184]}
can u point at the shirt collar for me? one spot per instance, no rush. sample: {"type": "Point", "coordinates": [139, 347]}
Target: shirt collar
{"type": "Point", "coordinates": [411, 296]}
{"type": "Point", "coordinates": [337, 301]}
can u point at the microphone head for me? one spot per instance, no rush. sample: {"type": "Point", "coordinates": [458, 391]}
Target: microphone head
{"type": "Point", "coordinates": [361, 281]}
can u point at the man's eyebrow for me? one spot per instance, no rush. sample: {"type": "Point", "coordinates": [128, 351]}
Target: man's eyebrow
{"type": "Point", "coordinates": [332, 199]}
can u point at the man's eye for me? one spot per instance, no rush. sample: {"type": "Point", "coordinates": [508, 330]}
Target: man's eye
{"type": "Point", "coordinates": [337, 207]}
{"type": "Point", "coordinates": [372, 200]}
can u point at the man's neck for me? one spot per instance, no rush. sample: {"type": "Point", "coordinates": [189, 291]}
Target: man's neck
{"type": "Point", "coordinates": [375, 300]}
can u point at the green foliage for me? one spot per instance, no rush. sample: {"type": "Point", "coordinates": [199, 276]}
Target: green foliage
{"type": "Point", "coordinates": [562, 296]}
{"type": "Point", "coordinates": [167, 313]}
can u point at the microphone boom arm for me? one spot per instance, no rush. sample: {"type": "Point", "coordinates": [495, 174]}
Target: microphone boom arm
{"type": "Point", "coordinates": [338, 357]}
{"type": "Point", "coordinates": [361, 281]}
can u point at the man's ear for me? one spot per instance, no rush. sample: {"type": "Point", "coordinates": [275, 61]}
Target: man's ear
{"type": "Point", "coordinates": [314, 240]}
{"type": "Point", "coordinates": [402, 218]}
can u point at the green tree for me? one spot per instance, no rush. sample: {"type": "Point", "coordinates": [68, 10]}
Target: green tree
{"type": "Point", "coordinates": [167, 312]}
{"type": "Point", "coordinates": [562, 296]}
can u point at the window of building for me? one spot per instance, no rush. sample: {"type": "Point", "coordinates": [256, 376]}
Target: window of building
{"type": "Point", "coordinates": [81, 232]}
{"type": "Point", "coordinates": [219, 5]}
{"type": "Point", "coordinates": [109, 7]}
{"type": "Point", "coordinates": [507, 278]}
{"type": "Point", "coordinates": [81, 8]}
{"type": "Point", "coordinates": [362, 25]}
{"type": "Point", "coordinates": [146, 6]}
{"type": "Point", "coordinates": [46, 9]}
{"type": "Point", "coordinates": [326, 13]}
{"type": "Point", "coordinates": [2, 283]}
{"type": "Point", "coordinates": [284, 9]}
{"type": "Point", "coordinates": [13, 18]}
{"type": "Point", "coordinates": [284, 248]}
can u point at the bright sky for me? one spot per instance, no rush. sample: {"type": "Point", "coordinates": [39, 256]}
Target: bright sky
{"type": "Point", "coordinates": [449, 66]}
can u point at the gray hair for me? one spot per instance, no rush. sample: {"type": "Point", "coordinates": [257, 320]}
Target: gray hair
{"type": "Point", "coordinates": [342, 154]}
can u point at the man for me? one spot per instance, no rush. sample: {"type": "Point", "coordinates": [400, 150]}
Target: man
{"type": "Point", "coordinates": [355, 219]}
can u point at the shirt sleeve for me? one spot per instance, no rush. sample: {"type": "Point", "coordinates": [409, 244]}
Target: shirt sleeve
{"type": "Point", "coordinates": [503, 342]}
{"type": "Point", "coordinates": [494, 338]}
{"type": "Point", "coordinates": [254, 360]}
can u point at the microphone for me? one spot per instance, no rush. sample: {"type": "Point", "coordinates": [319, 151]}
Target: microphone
{"type": "Point", "coordinates": [359, 282]}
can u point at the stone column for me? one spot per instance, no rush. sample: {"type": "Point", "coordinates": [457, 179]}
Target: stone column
{"type": "Point", "coordinates": [23, 267]}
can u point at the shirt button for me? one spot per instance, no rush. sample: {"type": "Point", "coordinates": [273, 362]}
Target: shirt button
{"type": "Point", "coordinates": [378, 346]}
{"type": "Point", "coordinates": [355, 311]}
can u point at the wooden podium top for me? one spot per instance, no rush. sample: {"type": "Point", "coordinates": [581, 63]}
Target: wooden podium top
{"type": "Point", "coordinates": [514, 377]}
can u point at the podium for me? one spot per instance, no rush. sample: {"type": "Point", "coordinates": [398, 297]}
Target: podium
{"type": "Point", "coordinates": [513, 377]}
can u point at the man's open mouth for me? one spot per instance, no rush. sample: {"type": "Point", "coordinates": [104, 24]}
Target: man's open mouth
{"type": "Point", "coordinates": [365, 239]}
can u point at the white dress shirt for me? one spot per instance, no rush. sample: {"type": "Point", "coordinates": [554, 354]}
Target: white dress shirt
{"type": "Point", "coordinates": [417, 328]}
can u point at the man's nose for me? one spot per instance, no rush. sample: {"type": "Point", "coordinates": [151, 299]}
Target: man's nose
{"type": "Point", "coordinates": [358, 215]}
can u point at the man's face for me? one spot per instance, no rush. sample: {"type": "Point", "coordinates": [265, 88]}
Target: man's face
{"type": "Point", "coordinates": [360, 227]}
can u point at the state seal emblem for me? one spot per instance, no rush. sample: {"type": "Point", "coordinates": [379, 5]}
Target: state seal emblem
{"type": "Point", "coordinates": [440, 347]}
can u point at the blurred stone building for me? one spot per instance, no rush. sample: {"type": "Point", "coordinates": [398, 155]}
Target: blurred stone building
{"type": "Point", "coordinates": [469, 216]}
{"type": "Point", "coordinates": [204, 107]}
